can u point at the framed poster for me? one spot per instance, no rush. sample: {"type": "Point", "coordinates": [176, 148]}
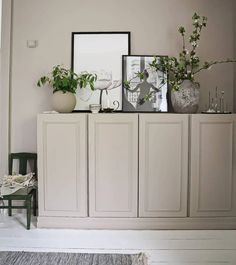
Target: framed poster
{"type": "Point", "coordinates": [148, 94]}
{"type": "Point", "coordinates": [100, 53]}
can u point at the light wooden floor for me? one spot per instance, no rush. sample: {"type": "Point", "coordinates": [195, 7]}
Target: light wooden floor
{"type": "Point", "coordinates": [161, 247]}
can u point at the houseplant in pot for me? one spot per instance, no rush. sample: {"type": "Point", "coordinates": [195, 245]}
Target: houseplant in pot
{"type": "Point", "coordinates": [64, 83]}
{"type": "Point", "coordinates": [185, 93]}
{"type": "Point", "coordinates": [182, 70]}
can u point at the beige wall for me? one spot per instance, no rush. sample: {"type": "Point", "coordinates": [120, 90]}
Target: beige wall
{"type": "Point", "coordinates": [153, 25]}
{"type": "Point", "coordinates": [234, 19]}
{"type": "Point", "coordinates": [5, 81]}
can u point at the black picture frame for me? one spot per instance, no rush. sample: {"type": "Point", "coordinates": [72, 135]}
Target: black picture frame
{"type": "Point", "coordinates": [134, 101]}
{"type": "Point", "coordinates": [116, 92]}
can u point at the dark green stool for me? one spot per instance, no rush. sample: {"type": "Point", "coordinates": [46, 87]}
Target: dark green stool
{"type": "Point", "coordinates": [26, 195]}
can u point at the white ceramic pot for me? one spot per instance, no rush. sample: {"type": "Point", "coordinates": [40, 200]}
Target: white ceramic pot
{"type": "Point", "coordinates": [186, 99]}
{"type": "Point", "coordinates": [63, 102]}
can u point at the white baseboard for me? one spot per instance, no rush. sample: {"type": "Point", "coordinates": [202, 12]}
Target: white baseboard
{"type": "Point", "coordinates": [138, 223]}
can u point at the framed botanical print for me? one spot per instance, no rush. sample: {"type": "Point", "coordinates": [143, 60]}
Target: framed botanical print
{"type": "Point", "coordinates": [147, 91]}
{"type": "Point", "coordinates": [100, 53]}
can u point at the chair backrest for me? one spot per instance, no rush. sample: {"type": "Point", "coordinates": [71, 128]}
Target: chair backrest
{"type": "Point", "coordinates": [23, 159]}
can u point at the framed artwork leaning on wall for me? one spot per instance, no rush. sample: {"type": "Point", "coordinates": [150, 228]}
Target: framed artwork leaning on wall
{"type": "Point", "coordinates": [100, 53]}
{"type": "Point", "coordinates": [147, 89]}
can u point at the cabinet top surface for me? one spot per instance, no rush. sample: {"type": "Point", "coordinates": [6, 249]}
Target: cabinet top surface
{"type": "Point", "coordinates": [136, 113]}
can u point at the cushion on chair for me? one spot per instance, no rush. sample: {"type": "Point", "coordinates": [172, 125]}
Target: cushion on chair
{"type": "Point", "coordinates": [18, 184]}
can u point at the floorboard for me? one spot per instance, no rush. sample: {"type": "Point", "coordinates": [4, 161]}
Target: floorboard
{"type": "Point", "coordinates": [162, 247]}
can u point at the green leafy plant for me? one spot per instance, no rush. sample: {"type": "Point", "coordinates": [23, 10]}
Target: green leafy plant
{"type": "Point", "coordinates": [65, 80]}
{"type": "Point", "coordinates": [187, 65]}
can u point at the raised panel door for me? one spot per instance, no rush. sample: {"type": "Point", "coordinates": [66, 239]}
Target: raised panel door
{"type": "Point", "coordinates": [113, 165]}
{"type": "Point", "coordinates": [163, 165]}
{"type": "Point", "coordinates": [213, 165]}
{"type": "Point", "coordinates": [62, 158]}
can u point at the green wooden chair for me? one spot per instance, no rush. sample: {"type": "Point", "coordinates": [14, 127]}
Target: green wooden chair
{"type": "Point", "coordinates": [26, 195]}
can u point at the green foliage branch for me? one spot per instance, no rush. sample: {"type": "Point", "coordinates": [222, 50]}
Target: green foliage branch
{"type": "Point", "coordinates": [65, 80]}
{"type": "Point", "coordinates": [188, 63]}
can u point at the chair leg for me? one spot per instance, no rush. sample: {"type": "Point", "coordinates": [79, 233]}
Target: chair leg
{"type": "Point", "coordinates": [9, 207]}
{"type": "Point", "coordinates": [34, 202]}
{"type": "Point", "coordinates": [1, 205]}
{"type": "Point", "coordinates": [28, 209]}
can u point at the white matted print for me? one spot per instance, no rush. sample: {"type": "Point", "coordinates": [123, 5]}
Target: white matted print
{"type": "Point", "coordinates": [100, 53]}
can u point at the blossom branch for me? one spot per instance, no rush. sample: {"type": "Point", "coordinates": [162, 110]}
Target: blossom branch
{"type": "Point", "coordinates": [208, 65]}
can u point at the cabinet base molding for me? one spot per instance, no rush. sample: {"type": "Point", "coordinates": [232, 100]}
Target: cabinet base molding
{"type": "Point", "coordinates": [138, 223]}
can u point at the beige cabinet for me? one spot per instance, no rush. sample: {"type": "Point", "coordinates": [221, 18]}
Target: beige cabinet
{"type": "Point", "coordinates": [62, 165]}
{"type": "Point", "coordinates": [113, 165]}
{"type": "Point", "coordinates": [137, 171]}
{"type": "Point", "coordinates": [213, 165]}
{"type": "Point", "coordinates": [163, 165]}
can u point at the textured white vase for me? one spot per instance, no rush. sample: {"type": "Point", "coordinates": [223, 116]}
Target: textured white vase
{"type": "Point", "coordinates": [63, 102]}
{"type": "Point", "coordinates": [186, 99]}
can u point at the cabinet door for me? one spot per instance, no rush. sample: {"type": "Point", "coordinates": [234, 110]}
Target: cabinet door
{"type": "Point", "coordinates": [163, 165]}
{"type": "Point", "coordinates": [213, 165]}
{"type": "Point", "coordinates": [113, 165]}
{"type": "Point", "coordinates": [62, 159]}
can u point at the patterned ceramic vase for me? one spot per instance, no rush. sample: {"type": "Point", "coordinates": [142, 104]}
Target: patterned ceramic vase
{"type": "Point", "coordinates": [186, 99]}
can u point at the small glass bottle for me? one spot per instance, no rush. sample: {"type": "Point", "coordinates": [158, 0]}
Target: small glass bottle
{"type": "Point", "coordinates": [222, 102]}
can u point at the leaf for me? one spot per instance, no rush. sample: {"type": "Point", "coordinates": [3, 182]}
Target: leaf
{"type": "Point", "coordinates": [182, 30]}
{"type": "Point", "coordinates": [126, 84]}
